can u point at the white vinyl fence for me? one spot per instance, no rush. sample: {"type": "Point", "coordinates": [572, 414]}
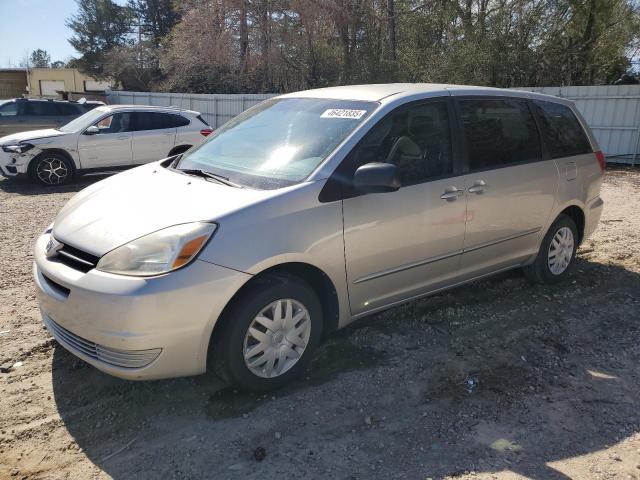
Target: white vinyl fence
{"type": "Point", "coordinates": [612, 112]}
{"type": "Point", "coordinates": [216, 109]}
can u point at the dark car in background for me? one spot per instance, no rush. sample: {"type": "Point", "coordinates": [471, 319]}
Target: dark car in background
{"type": "Point", "coordinates": [24, 114]}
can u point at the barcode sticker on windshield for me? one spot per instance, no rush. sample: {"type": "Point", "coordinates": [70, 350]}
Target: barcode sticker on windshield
{"type": "Point", "coordinates": [343, 113]}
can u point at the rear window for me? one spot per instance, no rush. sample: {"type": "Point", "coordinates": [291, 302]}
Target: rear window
{"type": "Point", "coordinates": [562, 130]}
{"type": "Point", "coordinates": [499, 131]}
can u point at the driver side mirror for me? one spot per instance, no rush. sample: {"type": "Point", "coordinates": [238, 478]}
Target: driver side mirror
{"type": "Point", "coordinates": [92, 130]}
{"type": "Point", "coordinates": [376, 177]}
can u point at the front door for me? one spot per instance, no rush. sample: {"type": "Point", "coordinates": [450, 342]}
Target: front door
{"type": "Point", "coordinates": [404, 243]}
{"type": "Point", "coordinates": [110, 147]}
{"type": "Point", "coordinates": [510, 186]}
{"type": "Point", "coordinates": [153, 138]}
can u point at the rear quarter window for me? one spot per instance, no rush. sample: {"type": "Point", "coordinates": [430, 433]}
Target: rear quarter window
{"type": "Point", "coordinates": [564, 134]}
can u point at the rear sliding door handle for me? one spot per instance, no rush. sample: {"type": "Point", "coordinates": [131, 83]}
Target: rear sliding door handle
{"type": "Point", "coordinates": [479, 186]}
{"type": "Point", "coordinates": [452, 193]}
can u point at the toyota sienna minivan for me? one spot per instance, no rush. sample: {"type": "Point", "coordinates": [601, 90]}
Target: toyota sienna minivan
{"type": "Point", "coordinates": [307, 212]}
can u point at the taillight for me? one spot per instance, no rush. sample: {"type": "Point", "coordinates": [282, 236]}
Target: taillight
{"type": "Point", "coordinates": [601, 160]}
{"type": "Point", "coordinates": [205, 132]}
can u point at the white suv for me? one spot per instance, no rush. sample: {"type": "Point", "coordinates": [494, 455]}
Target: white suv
{"type": "Point", "coordinates": [106, 138]}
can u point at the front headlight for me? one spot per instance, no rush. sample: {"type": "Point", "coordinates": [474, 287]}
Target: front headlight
{"type": "Point", "coordinates": [17, 148]}
{"type": "Point", "coordinates": [158, 252]}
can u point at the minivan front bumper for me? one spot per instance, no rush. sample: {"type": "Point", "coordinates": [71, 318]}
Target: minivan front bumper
{"type": "Point", "coordinates": [132, 327]}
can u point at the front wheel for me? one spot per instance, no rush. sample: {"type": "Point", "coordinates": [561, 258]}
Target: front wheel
{"type": "Point", "coordinates": [51, 169]}
{"type": "Point", "coordinates": [557, 252]}
{"type": "Point", "coordinates": [270, 334]}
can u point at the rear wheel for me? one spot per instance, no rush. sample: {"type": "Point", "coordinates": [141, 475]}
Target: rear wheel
{"type": "Point", "coordinates": [557, 252]}
{"type": "Point", "coordinates": [270, 334]}
{"type": "Point", "coordinates": [51, 169]}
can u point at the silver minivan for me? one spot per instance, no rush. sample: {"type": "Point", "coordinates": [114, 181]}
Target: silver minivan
{"type": "Point", "coordinates": [307, 212]}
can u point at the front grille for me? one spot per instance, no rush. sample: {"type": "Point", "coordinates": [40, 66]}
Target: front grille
{"type": "Point", "coordinates": [76, 258]}
{"type": "Point", "coordinates": [110, 356]}
{"type": "Point", "coordinates": [62, 290]}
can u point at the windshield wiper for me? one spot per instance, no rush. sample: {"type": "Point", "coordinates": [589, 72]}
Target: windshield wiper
{"type": "Point", "coordinates": [203, 173]}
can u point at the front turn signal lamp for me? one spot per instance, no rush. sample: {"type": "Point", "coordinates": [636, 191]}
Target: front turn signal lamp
{"type": "Point", "coordinates": [159, 252]}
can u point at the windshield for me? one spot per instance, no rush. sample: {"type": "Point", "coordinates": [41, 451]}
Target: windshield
{"type": "Point", "coordinates": [83, 121]}
{"type": "Point", "coordinates": [278, 142]}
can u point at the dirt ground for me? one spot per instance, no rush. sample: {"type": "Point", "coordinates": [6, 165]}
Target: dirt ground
{"type": "Point", "coordinates": [498, 379]}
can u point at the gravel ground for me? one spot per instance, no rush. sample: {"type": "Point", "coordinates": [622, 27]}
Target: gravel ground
{"type": "Point", "coordinates": [496, 379]}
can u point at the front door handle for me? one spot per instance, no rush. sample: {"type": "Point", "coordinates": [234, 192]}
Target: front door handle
{"type": "Point", "coordinates": [451, 193]}
{"type": "Point", "coordinates": [126, 137]}
{"type": "Point", "coordinates": [479, 186]}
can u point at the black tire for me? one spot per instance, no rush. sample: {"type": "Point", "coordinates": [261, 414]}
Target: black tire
{"type": "Point", "coordinates": [51, 169]}
{"type": "Point", "coordinates": [228, 348]}
{"type": "Point", "coordinates": [540, 271]}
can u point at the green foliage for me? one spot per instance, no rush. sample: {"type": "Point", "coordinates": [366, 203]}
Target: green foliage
{"type": "Point", "coordinates": [233, 46]}
{"type": "Point", "coordinates": [99, 26]}
{"type": "Point", "coordinates": [39, 59]}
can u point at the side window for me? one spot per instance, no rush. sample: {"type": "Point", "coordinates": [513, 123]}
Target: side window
{"type": "Point", "coordinates": [67, 109]}
{"type": "Point", "coordinates": [417, 139]}
{"type": "Point", "coordinates": [150, 121]}
{"type": "Point", "coordinates": [45, 108]}
{"type": "Point", "coordinates": [116, 123]}
{"type": "Point", "coordinates": [9, 109]}
{"type": "Point", "coordinates": [499, 132]}
{"type": "Point", "coordinates": [173, 120]}
{"type": "Point", "coordinates": [562, 130]}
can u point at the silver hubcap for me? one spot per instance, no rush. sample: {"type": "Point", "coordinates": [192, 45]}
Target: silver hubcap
{"type": "Point", "coordinates": [561, 251]}
{"type": "Point", "coordinates": [277, 338]}
{"type": "Point", "coordinates": [52, 171]}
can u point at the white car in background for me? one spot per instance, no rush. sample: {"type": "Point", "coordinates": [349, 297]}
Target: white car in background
{"type": "Point", "coordinates": [111, 137]}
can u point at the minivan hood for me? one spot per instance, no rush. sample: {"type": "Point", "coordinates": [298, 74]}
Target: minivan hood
{"type": "Point", "coordinates": [137, 202]}
{"type": "Point", "coordinates": [31, 136]}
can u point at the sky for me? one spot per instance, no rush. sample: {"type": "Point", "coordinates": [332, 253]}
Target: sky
{"type": "Point", "coordinates": [30, 24]}
{"type": "Point", "coordinates": [26, 25]}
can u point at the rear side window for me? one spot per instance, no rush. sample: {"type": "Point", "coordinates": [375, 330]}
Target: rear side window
{"type": "Point", "coordinates": [157, 120]}
{"type": "Point", "coordinates": [499, 132]}
{"type": "Point", "coordinates": [172, 120]}
{"type": "Point", "coordinates": [68, 109]}
{"type": "Point", "coordinates": [146, 121]}
{"type": "Point", "coordinates": [42, 109]}
{"type": "Point", "coordinates": [562, 130]}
